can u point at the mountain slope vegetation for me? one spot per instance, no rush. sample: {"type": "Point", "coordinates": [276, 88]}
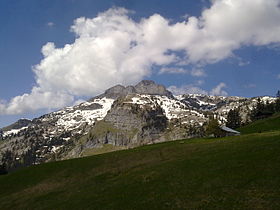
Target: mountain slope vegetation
{"type": "Point", "coordinates": [124, 117]}
{"type": "Point", "coordinates": [240, 172]}
{"type": "Point", "coordinates": [267, 124]}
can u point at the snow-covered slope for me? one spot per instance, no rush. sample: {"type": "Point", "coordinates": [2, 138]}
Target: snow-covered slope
{"type": "Point", "coordinates": [13, 131]}
{"type": "Point", "coordinates": [189, 107]}
{"type": "Point", "coordinates": [72, 118]}
{"type": "Point", "coordinates": [53, 135]}
{"type": "Point", "coordinates": [172, 107]}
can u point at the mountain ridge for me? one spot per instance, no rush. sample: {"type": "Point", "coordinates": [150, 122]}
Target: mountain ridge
{"type": "Point", "coordinates": [144, 87]}
{"type": "Point", "coordinates": [122, 117]}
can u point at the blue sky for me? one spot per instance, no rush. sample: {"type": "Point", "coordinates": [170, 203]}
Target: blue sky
{"type": "Point", "coordinates": [189, 46]}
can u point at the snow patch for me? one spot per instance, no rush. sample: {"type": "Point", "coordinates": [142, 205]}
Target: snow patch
{"type": "Point", "coordinates": [56, 148]}
{"type": "Point", "coordinates": [73, 117]}
{"type": "Point", "coordinates": [13, 131]}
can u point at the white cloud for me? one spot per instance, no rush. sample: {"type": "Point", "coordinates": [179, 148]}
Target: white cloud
{"type": "Point", "coordinates": [185, 16]}
{"type": "Point", "coordinates": [278, 76]}
{"type": "Point", "coordinates": [218, 90]}
{"type": "Point", "coordinates": [200, 82]}
{"type": "Point", "coordinates": [172, 70]}
{"type": "Point", "coordinates": [194, 89]}
{"type": "Point", "coordinates": [251, 85]}
{"type": "Point", "coordinates": [243, 63]}
{"type": "Point", "coordinates": [198, 72]}
{"type": "Point", "coordinates": [36, 100]}
{"type": "Point", "coordinates": [112, 48]}
{"type": "Point", "coordinates": [50, 24]}
{"type": "Point", "coordinates": [79, 101]}
{"type": "Point", "coordinates": [195, 72]}
{"type": "Point", "coordinates": [233, 23]}
{"type": "Point", "coordinates": [186, 89]}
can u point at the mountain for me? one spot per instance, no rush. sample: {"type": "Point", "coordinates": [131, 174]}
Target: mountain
{"type": "Point", "coordinates": [147, 87]}
{"type": "Point", "coordinates": [240, 172]}
{"type": "Point", "coordinates": [18, 125]}
{"type": "Point", "coordinates": [264, 125]}
{"type": "Point", "coordinates": [122, 117]}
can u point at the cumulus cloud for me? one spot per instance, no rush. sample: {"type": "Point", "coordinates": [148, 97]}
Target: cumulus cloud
{"type": "Point", "coordinates": [251, 85]}
{"type": "Point", "coordinates": [195, 72]}
{"type": "Point", "coordinates": [50, 24]}
{"type": "Point", "coordinates": [37, 99]}
{"type": "Point", "coordinates": [218, 90]}
{"type": "Point", "coordinates": [112, 48]}
{"type": "Point", "coordinates": [194, 89]}
{"type": "Point", "coordinates": [172, 70]}
{"type": "Point", "coordinates": [198, 72]}
{"type": "Point", "coordinates": [200, 82]}
{"type": "Point", "coordinates": [186, 89]}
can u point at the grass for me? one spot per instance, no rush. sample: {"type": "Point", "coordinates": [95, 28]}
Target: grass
{"type": "Point", "coordinates": [268, 124]}
{"type": "Point", "coordinates": [239, 172]}
{"type": "Point", "coordinates": [103, 149]}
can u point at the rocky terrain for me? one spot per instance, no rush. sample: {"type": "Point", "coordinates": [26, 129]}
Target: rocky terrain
{"type": "Point", "coordinates": [123, 116]}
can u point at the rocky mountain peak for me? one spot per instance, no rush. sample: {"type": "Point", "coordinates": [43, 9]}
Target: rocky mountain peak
{"type": "Point", "coordinates": [117, 91]}
{"type": "Point", "coordinates": [146, 83]}
{"type": "Point", "coordinates": [147, 87]}
{"type": "Point", "coordinates": [122, 116]}
{"type": "Point", "coordinates": [18, 125]}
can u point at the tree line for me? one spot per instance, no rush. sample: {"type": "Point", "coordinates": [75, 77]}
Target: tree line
{"type": "Point", "coordinates": [260, 111]}
{"type": "Point", "coordinates": [265, 109]}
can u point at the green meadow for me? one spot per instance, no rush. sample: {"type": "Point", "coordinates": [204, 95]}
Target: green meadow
{"type": "Point", "coordinates": [241, 172]}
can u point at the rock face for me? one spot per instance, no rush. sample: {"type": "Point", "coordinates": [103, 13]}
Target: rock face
{"type": "Point", "coordinates": [122, 116]}
{"type": "Point", "coordinates": [147, 87]}
{"type": "Point", "coordinates": [18, 125]}
{"type": "Point", "coordinates": [128, 124]}
{"type": "Point", "coordinates": [50, 136]}
{"type": "Point", "coordinates": [151, 88]}
{"type": "Point", "coordinates": [118, 91]}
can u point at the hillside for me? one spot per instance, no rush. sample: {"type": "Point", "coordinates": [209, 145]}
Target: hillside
{"type": "Point", "coordinates": [229, 173]}
{"type": "Point", "coordinates": [267, 124]}
{"type": "Point", "coordinates": [122, 117]}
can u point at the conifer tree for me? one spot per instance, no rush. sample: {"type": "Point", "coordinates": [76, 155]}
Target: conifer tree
{"type": "Point", "coordinates": [277, 102]}
{"type": "Point", "coordinates": [213, 127]}
{"type": "Point", "coordinates": [233, 119]}
{"type": "Point", "coordinates": [3, 169]}
{"type": "Point", "coordinates": [278, 94]}
{"type": "Point", "coordinates": [257, 112]}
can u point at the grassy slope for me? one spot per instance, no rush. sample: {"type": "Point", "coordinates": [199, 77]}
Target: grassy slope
{"type": "Point", "coordinates": [229, 173]}
{"type": "Point", "coordinates": [101, 150]}
{"type": "Point", "coordinates": [268, 124]}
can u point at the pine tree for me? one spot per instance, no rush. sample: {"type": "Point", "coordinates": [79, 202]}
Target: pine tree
{"type": "Point", "coordinates": [260, 106]}
{"type": "Point", "coordinates": [258, 110]}
{"type": "Point", "coordinates": [269, 109]}
{"type": "Point", "coordinates": [233, 119]}
{"type": "Point", "coordinates": [277, 102]}
{"type": "Point", "coordinates": [3, 169]}
{"type": "Point", "coordinates": [278, 94]}
{"type": "Point", "coordinates": [213, 128]}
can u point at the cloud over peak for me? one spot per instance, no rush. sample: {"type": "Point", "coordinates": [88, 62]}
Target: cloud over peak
{"type": "Point", "coordinates": [195, 89]}
{"type": "Point", "coordinates": [112, 48]}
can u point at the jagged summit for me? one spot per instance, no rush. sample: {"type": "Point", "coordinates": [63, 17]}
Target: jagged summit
{"type": "Point", "coordinates": [148, 87]}
{"type": "Point", "coordinates": [151, 88]}
{"type": "Point", "coordinates": [122, 117]}
{"type": "Point", "coordinates": [18, 125]}
{"type": "Point", "coordinates": [117, 91]}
